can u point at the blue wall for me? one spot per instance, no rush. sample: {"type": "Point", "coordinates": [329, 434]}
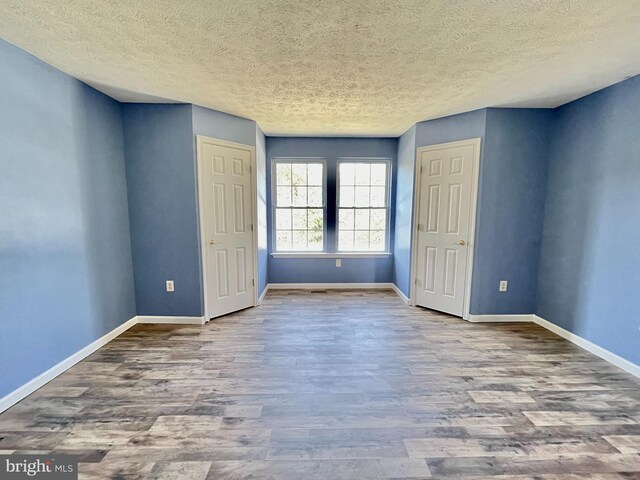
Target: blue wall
{"type": "Point", "coordinates": [160, 147]}
{"type": "Point", "coordinates": [441, 130]}
{"type": "Point", "coordinates": [589, 277]}
{"type": "Point", "coordinates": [405, 179]}
{"type": "Point", "coordinates": [451, 129]}
{"type": "Point", "coordinates": [223, 126]}
{"type": "Point", "coordinates": [161, 173]}
{"type": "Point", "coordinates": [511, 195]}
{"type": "Point", "coordinates": [324, 270]}
{"type": "Point", "coordinates": [559, 212]}
{"type": "Point", "coordinates": [65, 260]}
{"type": "Point", "coordinates": [510, 210]}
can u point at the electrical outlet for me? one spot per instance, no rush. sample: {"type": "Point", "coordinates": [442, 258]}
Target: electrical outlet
{"type": "Point", "coordinates": [170, 286]}
{"type": "Point", "coordinates": [503, 285]}
{"type": "Point", "coordinates": [338, 262]}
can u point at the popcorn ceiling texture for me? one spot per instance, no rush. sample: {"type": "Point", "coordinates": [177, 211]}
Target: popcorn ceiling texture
{"type": "Point", "coordinates": [352, 67]}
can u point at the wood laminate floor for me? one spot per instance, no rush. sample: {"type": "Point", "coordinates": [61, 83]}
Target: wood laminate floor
{"type": "Point", "coordinates": [337, 385]}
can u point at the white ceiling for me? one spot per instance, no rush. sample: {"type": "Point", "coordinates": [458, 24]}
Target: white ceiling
{"type": "Point", "coordinates": [351, 67]}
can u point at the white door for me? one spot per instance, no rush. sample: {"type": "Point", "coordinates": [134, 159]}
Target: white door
{"type": "Point", "coordinates": [227, 225]}
{"type": "Point", "coordinates": [443, 227]}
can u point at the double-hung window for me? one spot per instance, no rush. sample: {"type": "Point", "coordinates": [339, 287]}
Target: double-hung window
{"type": "Point", "coordinates": [363, 206]}
{"type": "Point", "coordinates": [299, 205]}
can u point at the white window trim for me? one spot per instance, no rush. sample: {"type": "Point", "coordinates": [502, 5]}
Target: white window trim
{"type": "Point", "coordinates": [387, 237]}
{"type": "Point", "coordinates": [274, 203]}
{"type": "Point", "coordinates": [331, 255]}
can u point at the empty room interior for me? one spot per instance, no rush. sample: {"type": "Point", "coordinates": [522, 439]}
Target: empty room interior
{"type": "Point", "coordinates": [280, 239]}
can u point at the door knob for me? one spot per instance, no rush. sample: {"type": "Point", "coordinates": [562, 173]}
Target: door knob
{"type": "Point", "coordinates": [461, 243]}
{"type": "Point", "coordinates": [213, 242]}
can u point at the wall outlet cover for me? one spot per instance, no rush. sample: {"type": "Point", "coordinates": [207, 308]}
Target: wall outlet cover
{"type": "Point", "coordinates": [170, 287]}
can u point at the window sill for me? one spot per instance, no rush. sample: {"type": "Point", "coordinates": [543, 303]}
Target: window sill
{"type": "Point", "coordinates": [330, 255]}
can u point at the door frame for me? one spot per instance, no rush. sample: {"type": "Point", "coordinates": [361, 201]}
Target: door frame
{"type": "Point", "coordinates": [201, 140]}
{"type": "Point", "coordinates": [475, 178]}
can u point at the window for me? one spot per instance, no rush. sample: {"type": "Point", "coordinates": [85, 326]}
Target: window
{"type": "Point", "coordinates": [299, 206]}
{"type": "Point", "coordinates": [363, 209]}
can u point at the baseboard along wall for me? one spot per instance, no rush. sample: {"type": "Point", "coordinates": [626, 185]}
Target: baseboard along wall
{"type": "Point", "coordinates": [171, 320]}
{"type": "Point", "coordinates": [42, 379]}
{"type": "Point", "coordinates": [597, 350]}
{"type": "Point", "coordinates": [500, 318]}
{"type": "Point", "coordinates": [591, 347]}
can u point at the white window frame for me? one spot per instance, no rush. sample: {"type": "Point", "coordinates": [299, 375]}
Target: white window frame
{"type": "Point", "coordinates": [387, 237]}
{"type": "Point", "coordinates": [274, 204]}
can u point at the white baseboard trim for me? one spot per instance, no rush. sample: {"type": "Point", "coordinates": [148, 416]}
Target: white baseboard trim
{"type": "Point", "coordinates": [399, 292]}
{"type": "Point", "coordinates": [171, 320]}
{"type": "Point", "coordinates": [264, 293]}
{"type": "Point", "coordinates": [603, 353]}
{"type": "Point", "coordinates": [330, 286]}
{"type": "Point", "coordinates": [500, 318]}
{"type": "Point", "coordinates": [44, 378]}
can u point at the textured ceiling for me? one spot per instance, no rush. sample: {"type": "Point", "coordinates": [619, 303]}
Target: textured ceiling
{"type": "Point", "coordinates": [352, 67]}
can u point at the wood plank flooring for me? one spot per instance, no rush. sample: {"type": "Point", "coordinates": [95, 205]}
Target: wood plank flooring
{"type": "Point", "coordinates": [337, 385]}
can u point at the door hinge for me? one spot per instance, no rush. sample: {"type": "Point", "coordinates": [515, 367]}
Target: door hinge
{"type": "Point", "coordinates": [252, 227]}
{"type": "Point", "coordinates": [417, 282]}
{"type": "Point", "coordinates": [420, 169]}
{"type": "Point", "coordinates": [253, 282]}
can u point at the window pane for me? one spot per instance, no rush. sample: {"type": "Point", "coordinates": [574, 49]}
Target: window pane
{"type": "Point", "coordinates": [346, 219]}
{"type": "Point", "coordinates": [346, 197]}
{"type": "Point", "coordinates": [283, 174]}
{"type": "Point", "coordinates": [299, 219]}
{"type": "Point", "coordinates": [347, 173]}
{"type": "Point", "coordinates": [283, 240]}
{"type": "Point", "coordinates": [377, 241]}
{"type": "Point", "coordinates": [361, 197]}
{"type": "Point", "coordinates": [283, 219]}
{"type": "Point", "coordinates": [378, 219]}
{"type": "Point", "coordinates": [362, 219]}
{"type": "Point", "coordinates": [345, 240]}
{"type": "Point", "coordinates": [378, 174]}
{"type": "Point", "coordinates": [299, 174]}
{"type": "Point", "coordinates": [284, 196]}
{"type": "Point", "coordinates": [315, 174]}
{"type": "Point", "coordinates": [314, 196]}
{"type": "Point", "coordinates": [299, 196]}
{"type": "Point", "coordinates": [363, 174]}
{"type": "Point", "coordinates": [361, 241]}
{"type": "Point", "coordinates": [315, 241]}
{"type": "Point", "coordinates": [378, 197]}
{"type": "Point", "coordinates": [299, 239]}
{"type": "Point", "coordinates": [315, 219]}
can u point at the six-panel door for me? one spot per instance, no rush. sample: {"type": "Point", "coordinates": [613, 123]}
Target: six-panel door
{"type": "Point", "coordinates": [228, 229]}
{"type": "Point", "coordinates": [446, 177]}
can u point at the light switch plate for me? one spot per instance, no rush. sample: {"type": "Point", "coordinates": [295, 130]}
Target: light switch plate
{"type": "Point", "coordinates": [170, 286]}
{"type": "Point", "coordinates": [338, 262]}
{"type": "Point", "coordinates": [503, 285]}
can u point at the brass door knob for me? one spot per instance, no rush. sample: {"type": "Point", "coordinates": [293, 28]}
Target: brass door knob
{"type": "Point", "coordinates": [213, 242]}
{"type": "Point", "coordinates": [461, 243]}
